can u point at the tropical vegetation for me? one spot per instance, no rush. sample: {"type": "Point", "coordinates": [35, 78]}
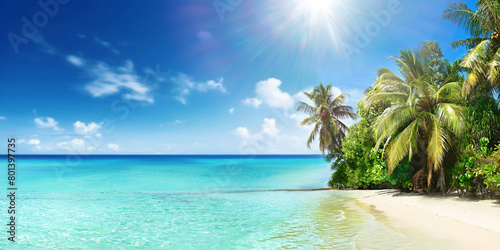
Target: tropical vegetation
{"type": "Point", "coordinates": [483, 58]}
{"type": "Point", "coordinates": [326, 115]}
{"type": "Point", "coordinates": [434, 126]}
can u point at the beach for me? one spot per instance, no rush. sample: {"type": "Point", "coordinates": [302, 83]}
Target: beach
{"type": "Point", "coordinates": [464, 223]}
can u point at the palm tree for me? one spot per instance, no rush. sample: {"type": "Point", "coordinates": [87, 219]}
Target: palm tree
{"type": "Point", "coordinates": [421, 120]}
{"type": "Point", "coordinates": [326, 115]}
{"type": "Point", "coordinates": [483, 58]}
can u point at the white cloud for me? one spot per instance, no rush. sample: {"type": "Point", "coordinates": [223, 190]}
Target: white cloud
{"type": "Point", "coordinates": [183, 80]}
{"type": "Point", "coordinates": [212, 85]}
{"type": "Point", "coordinates": [186, 84]}
{"type": "Point", "coordinates": [154, 75]}
{"type": "Point", "coordinates": [111, 81]}
{"type": "Point", "coordinates": [75, 145]}
{"type": "Point", "coordinates": [105, 80]}
{"type": "Point", "coordinates": [274, 139]}
{"type": "Point", "coordinates": [231, 111]}
{"type": "Point", "coordinates": [34, 142]}
{"type": "Point", "coordinates": [243, 132]}
{"type": "Point", "coordinates": [272, 95]}
{"type": "Point", "coordinates": [82, 129]}
{"type": "Point", "coordinates": [182, 96]}
{"type": "Point", "coordinates": [46, 122]}
{"type": "Point", "coordinates": [269, 92]}
{"type": "Point", "coordinates": [75, 60]}
{"type": "Point", "coordinates": [2, 118]}
{"type": "Point", "coordinates": [114, 146]}
{"type": "Point", "coordinates": [269, 127]}
{"type": "Point", "coordinates": [254, 102]}
{"type": "Point", "coordinates": [106, 45]}
{"type": "Point", "coordinates": [264, 140]}
{"type": "Point", "coordinates": [100, 42]}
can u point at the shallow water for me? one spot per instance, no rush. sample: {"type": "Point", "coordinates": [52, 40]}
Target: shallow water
{"type": "Point", "coordinates": [188, 202]}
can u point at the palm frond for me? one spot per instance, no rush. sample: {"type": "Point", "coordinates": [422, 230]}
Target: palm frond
{"type": "Point", "coordinates": [402, 145]}
{"type": "Point", "coordinates": [313, 134]}
{"type": "Point", "coordinates": [476, 55]}
{"type": "Point", "coordinates": [306, 108]}
{"type": "Point", "coordinates": [438, 144]}
{"type": "Point", "coordinates": [385, 124]}
{"type": "Point", "coordinates": [310, 120]}
{"type": "Point", "coordinates": [468, 43]}
{"type": "Point", "coordinates": [494, 71]}
{"type": "Point", "coordinates": [460, 15]}
{"type": "Point", "coordinates": [452, 116]}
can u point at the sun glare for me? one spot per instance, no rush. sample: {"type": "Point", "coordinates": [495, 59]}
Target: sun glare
{"type": "Point", "coordinates": [313, 28]}
{"type": "Point", "coordinates": [315, 11]}
{"type": "Point", "coordinates": [316, 6]}
{"type": "Point", "coordinates": [319, 17]}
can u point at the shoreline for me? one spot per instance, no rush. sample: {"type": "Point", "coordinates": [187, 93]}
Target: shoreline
{"type": "Point", "coordinates": [466, 224]}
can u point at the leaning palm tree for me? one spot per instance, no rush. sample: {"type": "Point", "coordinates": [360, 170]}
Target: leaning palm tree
{"type": "Point", "coordinates": [421, 120]}
{"type": "Point", "coordinates": [326, 115]}
{"type": "Point", "coordinates": [483, 58]}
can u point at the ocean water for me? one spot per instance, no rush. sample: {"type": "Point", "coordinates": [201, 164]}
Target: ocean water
{"type": "Point", "coordinates": [189, 202]}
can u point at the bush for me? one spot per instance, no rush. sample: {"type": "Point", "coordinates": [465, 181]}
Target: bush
{"type": "Point", "coordinates": [478, 171]}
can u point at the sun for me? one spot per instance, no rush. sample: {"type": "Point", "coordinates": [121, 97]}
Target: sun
{"type": "Point", "coordinates": [318, 14]}
{"type": "Point", "coordinates": [315, 11]}
{"type": "Point", "coordinates": [314, 29]}
{"type": "Point", "coordinates": [315, 7]}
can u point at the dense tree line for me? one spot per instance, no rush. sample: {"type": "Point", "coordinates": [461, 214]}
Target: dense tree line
{"type": "Point", "coordinates": [432, 126]}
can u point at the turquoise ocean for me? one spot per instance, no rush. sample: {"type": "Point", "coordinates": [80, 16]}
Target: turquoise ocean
{"type": "Point", "coordinates": [189, 202]}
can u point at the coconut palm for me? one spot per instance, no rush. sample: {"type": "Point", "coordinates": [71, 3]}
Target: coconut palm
{"type": "Point", "coordinates": [326, 115]}
{"type": "Point", "coordinates": [483, 58]}
{"type": "Point", "coordinates": [421, 120]}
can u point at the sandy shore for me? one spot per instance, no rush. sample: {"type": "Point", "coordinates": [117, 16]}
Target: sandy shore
{"type": "Point", "coordinates": [466, 224]}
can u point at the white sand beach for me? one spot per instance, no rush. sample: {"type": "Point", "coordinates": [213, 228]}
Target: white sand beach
{"type": "Point", "coordinates": [466, 224]}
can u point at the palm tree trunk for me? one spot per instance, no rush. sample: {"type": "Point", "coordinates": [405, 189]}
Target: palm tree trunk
{"type": "Point", "coordinates": [419, 162]}
{"type": "Point", "coordinates": [442, 179]}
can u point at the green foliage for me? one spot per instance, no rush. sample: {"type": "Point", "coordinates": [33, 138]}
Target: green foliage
{"type": "Point", "coordinates": [483, 119]}
{"type": "Point", "coordinates": [478, 170]}
{"type": "Point", "coordinates": [359, 165]}
{"type": "Point", "coordinates": [423, 116]}
{"type": "Point", "coordinates": [484, 43]}
{"type": "Point", "coordinates": [433, 115]}
{"type": "Point", "coordinates": [437, 67]}
{"type": "Point", "coordinates": [401, 177]}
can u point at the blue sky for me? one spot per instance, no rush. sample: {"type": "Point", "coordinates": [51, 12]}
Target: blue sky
{"type": "Point", "coordinates": [193, 77]}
